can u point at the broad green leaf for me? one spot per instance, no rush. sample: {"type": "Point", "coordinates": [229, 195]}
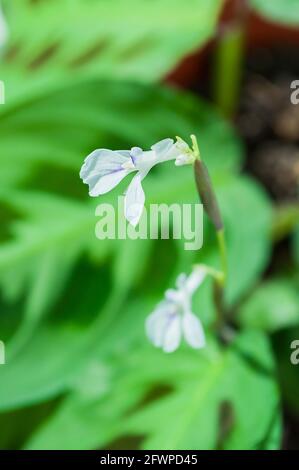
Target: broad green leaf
{"type": "Point", "coordinates": [45, 365]}
{"type": "Point", "coordinates": [37, 262]}
{"type": "Point", "coordinates": [83, 325]}
{"type": "Point", "coordinates": [19, 424]}
{"type": "Point", "coordinates": [172, 402]}
{"type": "Point", "coordinates": [48, 225]}
{"type": "Point", "coordinates": [127, 39]}
{"type": "Point", "coordinates": [89, 305]}
{"type": "Point", "coordinates": [273, 438]}
{"type": "Point", "coordinates": [272, 306]}
{"type": "Point", "coordinates": [279, 11]}
{"type": "Point", "coordinates": [247, 213]}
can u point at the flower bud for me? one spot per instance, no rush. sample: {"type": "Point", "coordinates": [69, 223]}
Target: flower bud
{"type": "Point", "coordinates": [207, 194]}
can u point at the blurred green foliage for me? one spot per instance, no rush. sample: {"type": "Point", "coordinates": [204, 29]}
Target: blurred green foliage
{"type": "Point", "coordinates": [80, 373]}
{"type": "Point", "coordinates": [279, 11]}
{"type": "Point", "coordinates": [52, 41]}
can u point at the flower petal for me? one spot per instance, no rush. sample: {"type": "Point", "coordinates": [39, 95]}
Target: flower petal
{"type": "Point", "coordinates": [193, 331]}
{"type": "Point", "coordinates": [173, 295]}
{"type": "Point", "coordinates": [181, 280]}
{"type": "Point", "coordinates": [103, 170]}
{"type": "Point", "coordinates": [156, 323]}
{"type": "Point", "coordinates": [134, 201]}
{"type": "Point", "coordinates": [135, 154]}
{"type": "Point", "coordinates": [172, 336]}
{"type": "Point", "coordinates": [107, 182]}
{"type": "Point", "coordinates": [195, 279]}
{"type": "Point", "coordinates": [165, 150]}
{"type": "Point", "coordinates": [100, 162]}
{"type": "Point", "coordinates": [162, 146]}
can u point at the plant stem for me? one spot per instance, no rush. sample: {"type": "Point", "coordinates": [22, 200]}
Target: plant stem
{"type": "Point", "coordinates": [229, 57]}
{"type": "Point", "coordinates": [223, 253]}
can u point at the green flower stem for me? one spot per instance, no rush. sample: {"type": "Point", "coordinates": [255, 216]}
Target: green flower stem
{"type": "Point", "coordinates": [228, 61]}
{"type": "Point", "coordinates": [218, 297]}
{"type": "Point", "coordinates": [228, 71]}
{"type": "Point", "coordinates": [223, 254]}
{"type": "Point", "coordinates": [214, 273]}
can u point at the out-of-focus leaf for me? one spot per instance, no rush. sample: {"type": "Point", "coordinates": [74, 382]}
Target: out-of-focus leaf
{"type": "Point", "coordinates": [167, 401]}
{"type": "Point", "coordinates": [44, 369]}
{"type": "Point", "coordinates": [46, 364]}
{"type": "Point", "coordinates": [43, 366]}
{"type": "Point", "coordinates": [279, 11]}
{"type": "Point", "coordinates": [39, 240]}
{"type": "Point", "coordinates": [272, 306]}
{"type": "Point", "coordinates": [273, 438]}
{"type": "Point", "coordinates": [36, 263]}
{"type": "Point", "coordinates": [139, 40]}
{"type": "Point", "coordinates": [52, 134]}
{"type": "Point", "coordinates": [19, 424]}
{"type": "Point", "coordinates": [247, 214]}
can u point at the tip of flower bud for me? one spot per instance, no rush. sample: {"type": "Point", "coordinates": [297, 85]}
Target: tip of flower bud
{"type": "Point", "coordinates": [195, 147]}
{"type": "Point", "coordinates": [186, 156]}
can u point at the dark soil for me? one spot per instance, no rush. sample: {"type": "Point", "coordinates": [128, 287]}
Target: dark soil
{"type": "Point", "coordinates": [269, 122]}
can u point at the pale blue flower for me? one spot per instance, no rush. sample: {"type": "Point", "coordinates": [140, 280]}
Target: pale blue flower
{"type": "Point", "coordinates": [173, 318]}
{"type": "Point", "coordinates": [104, 169]}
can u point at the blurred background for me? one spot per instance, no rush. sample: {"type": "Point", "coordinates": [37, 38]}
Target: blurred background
{"type": "Point", "coordinates": [80, 75]}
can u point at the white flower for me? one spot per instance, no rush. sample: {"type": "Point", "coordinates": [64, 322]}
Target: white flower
{"type": "Point", "coordinates": [3, 28]}
{"type": "Point", "coordinates": [173, 319]}
{"type": "Point", "coordinates": [103, 169]}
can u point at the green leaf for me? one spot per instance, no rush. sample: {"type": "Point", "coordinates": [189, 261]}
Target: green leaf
{"type": "Point", "coordinates": [52, 357]}
{"type": "Point", "coordinates": [273, 437]}
{"type": "Point", "coordinates": [247, 214]}
{"type": "Point", "coordinates": [171, 402]}
{"type": "Point", "coordinates": [123, 39]}
{"type": "Point", "coordinates": [37, 262]}
{"type": "Point", "coordinates": [279, 11]}
{"type": "Point", "coordinates": [272, 306]}
{"type": "Point", "coordinates": [74, 335]}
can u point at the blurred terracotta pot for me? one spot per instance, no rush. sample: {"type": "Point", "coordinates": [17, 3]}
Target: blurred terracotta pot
{"type": "Point", "coordinates": [260, 33]}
